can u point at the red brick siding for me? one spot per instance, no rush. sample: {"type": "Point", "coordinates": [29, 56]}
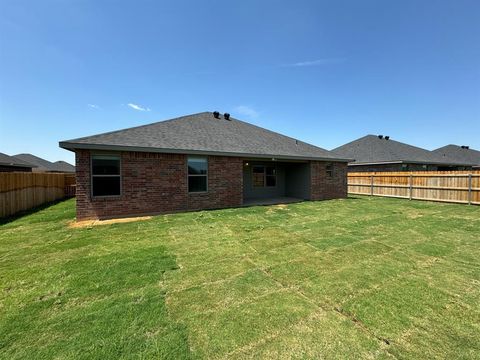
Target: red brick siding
{"type": "Point", "coordinates": [225, 184]}
{"type": "Point", "coordinates": [324, 187]}
{"type": "Point", "coordinates": [157, 183]}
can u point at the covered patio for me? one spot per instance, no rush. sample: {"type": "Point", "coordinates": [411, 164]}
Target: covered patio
{"type": "Point", "coordinates": [267, 182]}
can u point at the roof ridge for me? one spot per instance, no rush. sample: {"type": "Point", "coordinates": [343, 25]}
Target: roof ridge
{"type": "Point", "coordinates": [33, 155]}
{"type": "Point", "coordinates": [139, 126]}
{"type": "Point", "coordinates": [14, 161]}
{"type": "Point", "coordinates": [370, 148]}
{"type": "Point", "coordinates": [202, 133]}
{"type": "Point", "coordinates": [277, 133]}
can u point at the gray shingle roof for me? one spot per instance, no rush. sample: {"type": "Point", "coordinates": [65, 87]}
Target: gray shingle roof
{"type": "Point", "coordinates": [40, 164]}
{"type": "Point", "coordinates": [63, 166]}
{"type": "Point", "coordinates": [8, 160]}
{"type": "Point", "coordinates": [203, 133]}
{"type": "Point", "coordinates": [371, 149]}
{"type": "Point", "coordinates": [457, 153]}
{"type": "Point", "coordinates": [43, 165]}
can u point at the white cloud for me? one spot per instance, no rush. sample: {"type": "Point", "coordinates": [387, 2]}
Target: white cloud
{"type": "Point", "coordinates": [138, 107]}
{"type": "Point", "coordinates": [246, 110]}
{"type": "Point", "coordinates": [93, 106]}
{"type": "Point", "coordinates": [317, 62]}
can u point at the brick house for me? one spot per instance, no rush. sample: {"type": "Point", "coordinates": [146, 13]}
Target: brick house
{"type": "Point", "coordinates": [380, 153]}
{"type": "Point", "coordinates": [10, 164]}
{"type": "Point", "coordinates": [460, 153]}
{"type": "Point", "coordinates": [200, 161]}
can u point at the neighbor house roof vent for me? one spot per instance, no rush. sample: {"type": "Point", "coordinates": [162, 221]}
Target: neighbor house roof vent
{"type": "Point", "coordinates": [216, 115]}
{"type": "Point", "coordinates": [387, 137]}
{"type": "Point", "coordinates": [226, 116]}
{"type": "Point", "coordinates": [380, 136]}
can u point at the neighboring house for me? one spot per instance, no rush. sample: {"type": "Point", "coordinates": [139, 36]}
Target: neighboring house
{"type": "Point", "coordinates": [63, 166]}
{"type": "Point", "coordinates": [10, 163]}
{"type": "Point", "coordinates": [460, 153]}
{"type": "Point", "coordinates": [42, 165]}
{"type": "Point", "coordinates": [380, 153]}
{"type": "Point", "coordinates": [200, 161]}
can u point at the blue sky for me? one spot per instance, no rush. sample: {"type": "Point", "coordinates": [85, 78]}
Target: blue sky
{"type": "Point", "coordinates": [326, 72]}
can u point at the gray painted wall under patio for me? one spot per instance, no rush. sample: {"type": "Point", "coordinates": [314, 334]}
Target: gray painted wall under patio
{"type": "Point", "coordinates": [293, 180]}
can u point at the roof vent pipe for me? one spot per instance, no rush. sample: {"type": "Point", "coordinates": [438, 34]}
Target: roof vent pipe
{"type": "Point", "coordinates": [216, 115]}
{"type": "Point", "coordinates": [387, 137]}
{"type": "Point", "coordinates": [226, 116]}
{"type": "Point", "coordinates": [380, 136]}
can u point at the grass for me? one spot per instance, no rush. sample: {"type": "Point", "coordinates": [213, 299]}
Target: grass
{"type": "Point", "coordinates": [356, 278]}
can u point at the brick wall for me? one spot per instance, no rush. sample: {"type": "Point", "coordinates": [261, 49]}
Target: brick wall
{"type": "Point", "coordinates": [225, 185]}
{"type": "Point", "coordinates": [324, 187]}
{"type": "Point", "coordinates": [157, 183]}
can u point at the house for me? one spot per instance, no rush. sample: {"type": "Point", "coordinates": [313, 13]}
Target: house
{"type": "Point", "coordinates": [63, 167]}
{"type": "Point", "coordinates": [201, 161]}
{"type": "Point", "coordinates": [460, 153]}
{"type": "Point", "coordinates": [380, 153]}
{"type": "Point", "coordinates": [10, 163]}
{"type": "Point", "coordinates": [42, 165]}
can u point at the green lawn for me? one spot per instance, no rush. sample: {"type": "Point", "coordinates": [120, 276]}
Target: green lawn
{"type": "Point", "coordinates": [356, 278]}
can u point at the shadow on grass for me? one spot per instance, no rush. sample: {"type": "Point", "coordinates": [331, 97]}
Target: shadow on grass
{"type": "Point", "coordinates": [16, 216]}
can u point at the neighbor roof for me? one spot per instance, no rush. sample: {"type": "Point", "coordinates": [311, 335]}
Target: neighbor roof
{"type": "Point", "coordinates": [459, 154]}
{"type": "Point", "coordinates": [372, 149]}
{"type": "Point", "coordinates": [202, 133]}
{"type": "Point", "coordinates": [45, 165]}
{"type": "Point", "coordinates": [8, 160]}
{"type": "Point", "coordinates": [40, 164]}
{"type": "Point", "coordinates": [63, 166]}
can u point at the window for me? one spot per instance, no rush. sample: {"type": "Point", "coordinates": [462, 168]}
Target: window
{"type": "Point", "coordinates": [197, 174]}
{"type": "Point", "coordinates": [258, 176]}
{"type": "Point", "coordinates": [105, 175]}
{"type": "Point", "coordinates": [270, 176]}
{"type": "Point", "coordinates": [329, 170]}
{"type": "Point", "coordinates": [264, 176]}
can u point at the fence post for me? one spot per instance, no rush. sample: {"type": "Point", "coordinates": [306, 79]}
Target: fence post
{"type": "Point", "coordinates": [410, 185]}
{"type": "Point", "coordinates": [469, 189]}
{"type": "Point", "coordinates": [371, 185]}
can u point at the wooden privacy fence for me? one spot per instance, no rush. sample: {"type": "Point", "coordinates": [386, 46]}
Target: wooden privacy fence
{"type": "Point", "coordinates": [23, 190]}
{"type": "Point", "coordinates": [448, 186]}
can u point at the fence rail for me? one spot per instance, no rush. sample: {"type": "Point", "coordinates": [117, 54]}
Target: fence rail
{"type": "Point", "coordinates": [446, 186]}
{"type": "Point", "coordinates": [21, 191]}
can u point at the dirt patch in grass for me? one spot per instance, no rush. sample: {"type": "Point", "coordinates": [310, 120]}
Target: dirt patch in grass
{"type": "Point", "coordinates": [90, 223]}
